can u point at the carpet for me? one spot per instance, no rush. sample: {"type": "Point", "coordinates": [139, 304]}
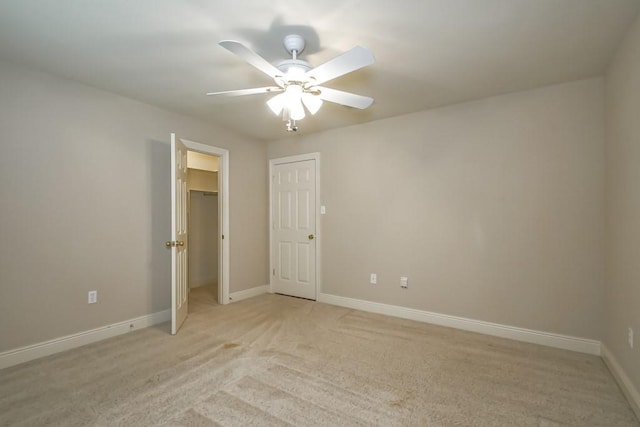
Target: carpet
{"type": "Point", "coordinates": [280, 361]}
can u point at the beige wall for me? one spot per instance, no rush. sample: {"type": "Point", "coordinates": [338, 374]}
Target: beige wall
{"type": "Point", "coordinates": [203, 220]}
{"type": "Point", "coordinates": [203, 239]}
{"type": "Point", "coordinates": [84, 188]}
{"type": "Point", "coordinates": [622, 292]}
{"type": "Point", "coordinates": [493, 209]}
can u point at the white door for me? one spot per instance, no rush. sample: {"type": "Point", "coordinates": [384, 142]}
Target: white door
{"type": "Point", "coordinates": [178, 243]}
{"type": "Point", "coordinates": [293, 228]}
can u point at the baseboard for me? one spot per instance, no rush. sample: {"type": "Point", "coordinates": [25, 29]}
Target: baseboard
{"type": "Point", "coordinates": [46, 348]}
{"type": "Point", "coordinates": [627, 387]}
{"type": "Point", "coordinates": [519, 334]}
{"type": "Point", "coordinates": [248, 293]}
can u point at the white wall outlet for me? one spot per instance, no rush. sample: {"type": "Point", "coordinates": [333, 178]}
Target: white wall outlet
{"type": "Point", "coordinates": [404, 282]}
{"type": "Point", "coordinates": [374, 279]}
{"type": "Point", "coordinates": [630, 337]}
{"type": "Point", "coordinates": [93, 297]}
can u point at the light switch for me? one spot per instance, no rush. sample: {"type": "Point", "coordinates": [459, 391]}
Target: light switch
{"type": "Point", "coordinates": [323, 210]}
{"type": "Point", "coordinates": [404, 282]}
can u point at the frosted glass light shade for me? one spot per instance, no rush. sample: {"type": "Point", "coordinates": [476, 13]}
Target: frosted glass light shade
{"type": "Point", "coordinates": [294, 102]}
{"type": "Point", "coordinates": [276, 104]}
{"type": "Point", "coordinates": [312, 102]}
{"type": "Point", "coordinates": [295, 73]}
{"type": "Point", "coordinates": [290, 103]}
{"type": "Point", "coordinates": [297, 111]}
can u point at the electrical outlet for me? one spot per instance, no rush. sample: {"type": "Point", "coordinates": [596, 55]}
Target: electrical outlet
{"type": "Point", "coordinates": [374, 279]}
{"type": "Point", "coordinates": [92, 297]}
{"type": "Point", "coordinates": [404, 282]}
{"type": "Point", "coordinates": [630, 337]}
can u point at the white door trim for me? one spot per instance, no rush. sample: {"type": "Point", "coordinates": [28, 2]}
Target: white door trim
{"type": "Point", "coordinates": [293, 159]}
{"type": "Point", "coordinates": [223, 213]}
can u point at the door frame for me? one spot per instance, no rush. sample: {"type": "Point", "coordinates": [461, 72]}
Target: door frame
{"type": "Point", "coordinates": [223, 213]}
{"type": "Point", "coordinates": [318, 234]}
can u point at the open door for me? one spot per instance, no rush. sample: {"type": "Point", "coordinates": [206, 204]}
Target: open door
{"type": "Point", "coordinates": [178, 243]}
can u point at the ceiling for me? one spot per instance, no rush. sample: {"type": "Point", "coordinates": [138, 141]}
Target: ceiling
{"type": "Point", "coordinates": [429, 53]}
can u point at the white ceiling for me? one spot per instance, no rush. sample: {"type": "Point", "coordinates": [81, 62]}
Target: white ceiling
{"type": "Point", "coordinates": [428, 53]}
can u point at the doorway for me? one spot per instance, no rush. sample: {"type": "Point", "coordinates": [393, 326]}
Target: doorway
{"type": "Point", "coordinates": [294, 198]}
{"type": "Point", "coordinates": [203, 235]}
{"type": "Point", "coordinates": [179, 227]}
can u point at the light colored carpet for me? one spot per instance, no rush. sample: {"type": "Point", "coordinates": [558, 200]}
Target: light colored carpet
{"type": "Point", "coordinates": [275, 360]}
{"type": "Point", "coordinates": [202, 298]}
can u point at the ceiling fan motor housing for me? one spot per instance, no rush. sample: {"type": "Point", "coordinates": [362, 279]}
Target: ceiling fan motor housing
{"type": "Point", "coordinates": [286, 65]}
{"type": "Point", "coordinates": [294, 42]}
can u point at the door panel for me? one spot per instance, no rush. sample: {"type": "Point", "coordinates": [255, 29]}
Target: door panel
{"type": "Point", "coordinates": [179, 243]}
{"type": "Point", "coordinates": [304, 219]}
{"type": "Point", "coordinates": [304, 266]}
{"type": "Point", "coordinates": [285, 210]}
{"type": "Point", "coordinates": [285, 260]}
{"type": "Point", "coordinates": [293, 195]}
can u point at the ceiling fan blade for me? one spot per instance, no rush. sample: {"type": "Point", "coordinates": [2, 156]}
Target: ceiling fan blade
{"type": "Point", "coordinates": [344, 98]}
{"type": "Point", "coordinates": [242, 92]}
{"type": "Point", "coordinates": [251, 57]}
{"type": "Point", "coordinates": [349, 61]}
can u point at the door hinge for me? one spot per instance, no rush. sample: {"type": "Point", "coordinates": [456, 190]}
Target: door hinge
{"type": "Point", "coordinates": [222, 237]}
{"type": "Point", "coordinates": [274, 271]}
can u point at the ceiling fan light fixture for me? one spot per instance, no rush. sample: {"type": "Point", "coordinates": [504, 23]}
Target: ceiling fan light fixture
{"type": "Point", "coordinates": [293, 92]}
{"type": "Point", "coordinates": [299, 81]}
{"type": "Point", "coordinates": [293, 95]}
{"type": "Point", "coordinates": [296, 73]}
{"type": "Point", "coordinates": [297, 112]}
{"type": "Point", "coordinates": [289, 103]}
{"type": "Point", "coordinates": [276, 104]}
{"type": "Point", "coordinates": [312, 102]}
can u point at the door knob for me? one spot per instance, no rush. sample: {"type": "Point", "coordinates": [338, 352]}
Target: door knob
{"type": "Point", "coordinates": [310, 236]}
{"type": "Point", "coordinates": [180, 243]}
{"type": "Point", "coordinates": [169, 243]}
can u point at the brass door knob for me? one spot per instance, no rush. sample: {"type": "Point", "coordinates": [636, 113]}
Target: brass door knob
{"type": "Point", "coordinates": [169, 243]}
{"type": "Point", "coordinates": [180, 243]}
{"type": "Point", "coordinates": [311, 236]}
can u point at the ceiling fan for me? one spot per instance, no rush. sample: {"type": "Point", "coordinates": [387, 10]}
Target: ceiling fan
{"type": "Point", "coordinates": [298, 82]}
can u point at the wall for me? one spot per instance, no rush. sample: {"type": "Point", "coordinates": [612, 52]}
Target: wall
{"type": "Point", "coordinates": [493, 209]}
{"type": "Point", "coordinates": [203, 222]}
{"type": "Point", "coordinates": [84, 184]}
{"type": "Point", "coordinates": [203, 239]}
{"type": "Point", "coordinates": [622, 294]}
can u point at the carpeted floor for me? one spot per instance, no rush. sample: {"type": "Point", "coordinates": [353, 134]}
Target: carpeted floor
{"type": "Point", "coordinates": [275, 360]}
{"type": "Point", "coordinates": [202, 298]}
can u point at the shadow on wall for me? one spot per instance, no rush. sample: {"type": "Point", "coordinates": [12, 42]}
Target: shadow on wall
{"type": "Point", "coordinates": [159, 206]}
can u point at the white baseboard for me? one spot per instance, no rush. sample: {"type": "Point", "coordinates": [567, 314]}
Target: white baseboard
{"type": "Point", "coordinates": [629, 390]}
{"type": "Point", "coordinates": [248, 293]}
{"type": "Point", "coordinates": [519, 334]}
{"type": "Point", "coordinates": [46, 348]}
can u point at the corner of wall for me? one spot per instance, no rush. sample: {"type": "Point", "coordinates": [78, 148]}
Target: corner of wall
{"type": "Point", "coordinates": [630, 391]}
